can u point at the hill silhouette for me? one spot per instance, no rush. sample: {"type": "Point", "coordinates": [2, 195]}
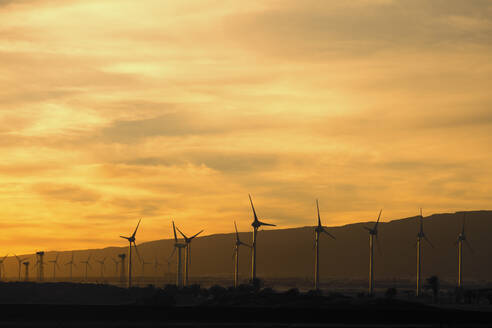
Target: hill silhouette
{"type": "Point", "coordinates": [288, 253]}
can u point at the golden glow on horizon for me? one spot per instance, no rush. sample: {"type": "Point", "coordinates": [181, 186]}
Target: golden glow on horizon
{"type": "Point", "coordinates": [115, 110]}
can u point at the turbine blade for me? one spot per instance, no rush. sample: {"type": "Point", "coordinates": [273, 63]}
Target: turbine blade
{"type": "Point", "coordinates": [182, 234]}
{"type": "Point", "coordinates": [377, 222]}
{"type": "Point", "coordinates": [196, 234]}
{"type": "Point", "coordinates": [254, 212]}
{"type": "Point", "coordinates": [135, 232]}
{"type": "Point", "coordinates": [267, 224]}
{"type": "Point", "coordinates": [329, 234]}
{"type": "Point", "coordinates": [175, 236]}
{"type": "Point", "coordinates": [427, 240]}
{"type": "Point", "coordinates": [368, 229]}
{"type": "Point", "coordinates": [467, 243]}
{"type": "Point", "coordinates": [319, 217]}
{"type": "Point", "coordinates": [136, 250]}
{"type": "Point", "coordinates": [463, 228]}
{"type": "Point", "coordinates": [172, 254]}
{"type": "Point", "coordinates": [127, 238]}
{"type": "Point", "coordinates": [237, 233]}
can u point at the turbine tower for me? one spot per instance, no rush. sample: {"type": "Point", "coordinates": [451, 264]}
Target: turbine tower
{"type": "Point", "coordinates": [188, 241]}
{"type": "Point", "coordinates": [72, 264]}
{"type": "Point", "coordinates": [420, 237]}
{"type": "Point", "coordinates": [122, 268]}
{"type": "Point", "coordinates": [179, 246]}
{"type": "Point", "coordinates": [131, 240]}
{"type": "Point", "coordinates": [317, 232]}
{"type": "Point", "coordinates": [87, 265]}
{"type": "Point", "coordinates": [55, 265]}
{"type": "Point", "coordinates": [40, 265]}
{"type": "Point", "coordinates": [372, 233]}
{"type": "Point", "coordinates": [20, 260]}
{"type": "Point", "coordinates": [2, 267]}
{"type": "Point", "coordinates": [237, 244]}
{"type": "Point", "coordinates": [462, 239]}
{"type": "Point", "coordinates": [101, 263]}
{"type": "Point", "coordinates": [26, 272]}
{"type": "Point", "coordinates": [256, 224]}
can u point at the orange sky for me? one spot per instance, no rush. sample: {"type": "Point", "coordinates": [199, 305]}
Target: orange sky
{"type": "Point", "coordinates": [115, 110]}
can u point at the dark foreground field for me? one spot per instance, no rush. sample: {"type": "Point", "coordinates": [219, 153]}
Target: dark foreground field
{"type": "Point", "coordinates": [78, 305]}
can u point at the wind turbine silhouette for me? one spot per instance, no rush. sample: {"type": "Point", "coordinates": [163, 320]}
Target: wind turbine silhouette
{"type": "Point", "coordinates": [20, 260]}
{"type": "Point", "coordinates": [420, 236]}
{"type": "Point", "coordinates": [87, 265]}
{"type": "Point", "coordinates": [372, 233]}
{"type": "Point", "coordinates": [179, 246]}
{"type": "Point", "coordinates": [256, 224]}
{"type": "Point", "coordinates": [72, 264]}
{"type": "Point", "coordinates": [131, 240]}
{"type": "Point", "coordinates": [462, 239]}
{"type": "Point", "coordinates": [237, 244]}
{"type": "Point", "coordinates": [317, 232]}
{"type": "Point", "coordinates": [116, 263]}
{"type": "Point", "coordinates": [188, 241]}
{"type": "Point", "coordinates": [55, 265]}
{"type": "Point", "coordinates": [2, 267]}
{"type": "Point", "coordinates": [101, 263]}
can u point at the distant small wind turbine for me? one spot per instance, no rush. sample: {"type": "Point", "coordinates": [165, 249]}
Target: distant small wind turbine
{"type": "Point", "coordinates": [55, 265]}
{"type": "Point", "coordinates": [2, 267]}
{"type": "Point", "coordinates": [420, 236]}
{"type": "Point", "coordinates": [72, 264]}
{"type": "Point", "coordinates": [87, 265]}
{"type": "Point", "coordinates": [157, 264]}
{"type": "Point", "coordinates": [462, 239]}
{"type": "Point", "coordinates": [179, 246]}
{"type": "Point", "coordinates": [237, 244]}
{"type": "Point", "coordinates": [143, 266]}
{"type": "Point", "coordinates": [101, 263]}
{"type": "Point", "coordinates": [20, 260]}
{"type": "Point", "coordinates": [318, 230]}
{"type": "Point", "coordinates": [116, 263]}
{"type": "Point", "coordinates": [256, 224]}
{"type": "Point", "coordinates": [26, 266]}
{"type": "Point", "coordinates": [372, 233]}
{"type": "Point", "coordinates": [188, 241]}
{"type": "Point", "coordinates": [131, 240]}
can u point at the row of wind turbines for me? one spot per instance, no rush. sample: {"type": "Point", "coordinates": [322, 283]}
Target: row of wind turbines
{"type": "Point", "coordinates": [185, 246]}
{"type": "Point", "coordinates": [183, 249]}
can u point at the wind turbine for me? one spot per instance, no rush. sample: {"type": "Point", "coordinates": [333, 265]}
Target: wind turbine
{"type": "Point", "coordinates": [55, 265]}
{"type": "Point", "coordinates": [237, 244]}
{"type": "Point", "coordinates": [157, 264]}
{"type": "Point", "coordinates": [462, 239]}
{"type": "Point", "coordinates": [143, 266]}
{"type": "Point", "coordinates": [116, 263]}
{"type": "Point", "coordinates": [317, 232]}
{"type": "Point", "coordinates": [20, 260]}
{"type": "Point", "coordinates": [420, 236]}
{"type": "Point", "coordinates": [26, 265]}
{"type": "Point", "coordinates": [372, 233]}
{"type": "Point", "coordinates": [87, 265]}
{"type": "Point", "coordinates": [122, 268]}
{"type": "Point", "coordinates": [256, 224]}
{"type": "Point", "coordinates": [188, 241]}
{"type": "Point", "coordinates": [72, 264]}
{"type": "Point", "coordinates": [131, 240]}
{"type": "Point", "coordinates": [40, 265]}
{"type": "Point", "coordinates": [2, 267]}
{"type": "Point", "coordinates": [101, 263]}
{"type": "Point", "coordinates": [179, 246]}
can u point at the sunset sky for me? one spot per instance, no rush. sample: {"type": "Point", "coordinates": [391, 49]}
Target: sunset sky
{"type": "Point", "coordinates": [115, 110]}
